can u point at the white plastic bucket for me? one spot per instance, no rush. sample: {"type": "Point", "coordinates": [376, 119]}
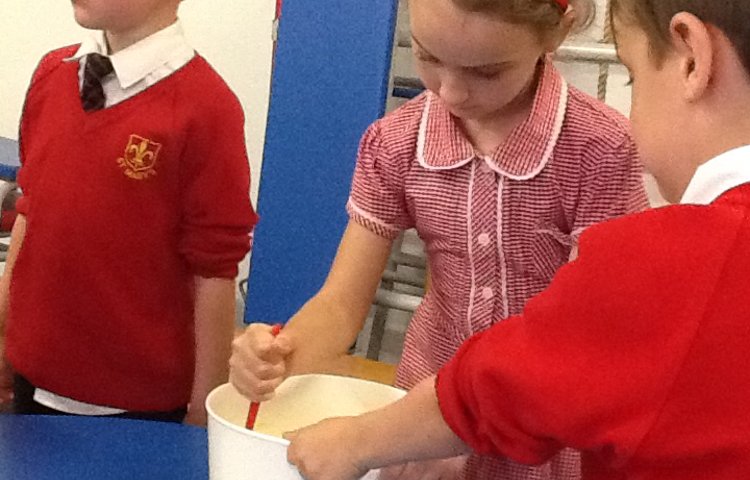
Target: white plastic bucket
{"type": "Point", "coordinates": [235, 452]}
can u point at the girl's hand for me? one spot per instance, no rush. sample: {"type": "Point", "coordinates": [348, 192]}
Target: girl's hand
{"type": "Point", "coordinates": [258, 362]}
{"type": "Point", "coordinates": [328, 450]}
{"type": "Point", "coordinates": [445, 469]}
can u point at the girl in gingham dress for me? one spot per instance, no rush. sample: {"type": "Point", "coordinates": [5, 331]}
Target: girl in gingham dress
{"type": "Point", "coordinates": [499, 166]}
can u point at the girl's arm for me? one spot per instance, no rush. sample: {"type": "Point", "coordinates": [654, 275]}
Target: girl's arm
{"type": "Point", "coordinates": [324, 329]}
{"type": "Point", "coordinates": [328, 325]}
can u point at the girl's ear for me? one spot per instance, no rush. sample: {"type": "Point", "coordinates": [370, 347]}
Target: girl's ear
{"type": "Point", "coordinates": [555, 38]}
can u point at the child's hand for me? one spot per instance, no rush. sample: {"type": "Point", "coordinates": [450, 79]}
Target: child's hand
{"type": "Point", "coordinates": [6, 380]}
{"type": "Point", "coordinates": [258, 362]}
{"type": "Point", "coordinates": [447, 469]}
{"type": "Point", "coordinates": [327, 450]}
{"type": "Point", "coordinates": [197, 417]}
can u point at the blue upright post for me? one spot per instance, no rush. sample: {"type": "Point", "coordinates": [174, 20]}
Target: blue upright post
{"type": "Point", "coordinates": [330, 82]}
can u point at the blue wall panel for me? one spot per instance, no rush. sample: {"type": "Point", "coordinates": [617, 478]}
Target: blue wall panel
{"type": "Point", "coordinates": [330, 81]}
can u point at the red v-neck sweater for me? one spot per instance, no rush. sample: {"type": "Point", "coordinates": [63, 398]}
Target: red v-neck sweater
{"type": "Point", "coordinates": [124, 207]}
{"type": "Point", "coordinates": [638, 354]}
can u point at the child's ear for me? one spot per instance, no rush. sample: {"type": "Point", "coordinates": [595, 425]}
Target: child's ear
{"type": "Point", "coordinates": [693, 45]}
{"type": "Point", "coordinates": [557, 36]}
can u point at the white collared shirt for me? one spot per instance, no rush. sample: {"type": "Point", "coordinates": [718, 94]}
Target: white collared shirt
{"type": "Point", "coordinates": [136, 68]}
{"type": "Point", "coordinates": [717, 176]}
{"type": "Point", "coordinates": [139, 66]}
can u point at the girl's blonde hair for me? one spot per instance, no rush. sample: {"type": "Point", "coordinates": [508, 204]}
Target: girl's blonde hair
{"type": "Point", "coordinates": [540, 14]}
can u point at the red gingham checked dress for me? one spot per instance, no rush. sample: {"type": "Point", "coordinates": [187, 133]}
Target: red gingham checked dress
{"type": "Point", "coordinates": [496, 229]}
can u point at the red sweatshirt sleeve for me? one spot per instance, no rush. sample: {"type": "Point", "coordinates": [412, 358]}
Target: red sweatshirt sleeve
{"type": "Point", "coordinates": [591, 360]}
{"type": "Point", "coordinates": [27, 173]}
{"type": "Point", "coordinates": [218, 217]}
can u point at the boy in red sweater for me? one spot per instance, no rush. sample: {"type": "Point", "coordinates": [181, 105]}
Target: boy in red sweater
{"type": "Point", "coordinates": [118, 294]}
{"type": "Point", "coordinates": [638, 353]}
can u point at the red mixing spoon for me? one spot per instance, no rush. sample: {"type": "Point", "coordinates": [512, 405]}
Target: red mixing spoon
{"type": "Point", "coordinates": [252, 414]}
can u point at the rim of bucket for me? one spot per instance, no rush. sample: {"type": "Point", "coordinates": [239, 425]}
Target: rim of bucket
{"type": "Point", "coordinates": [272, 438]}
{"type": "Point", "coordinates": [212, 413]}
{"type": "Point", "coordinates": [352, 379]}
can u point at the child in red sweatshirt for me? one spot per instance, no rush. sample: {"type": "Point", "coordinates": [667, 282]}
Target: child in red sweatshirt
{"type": "Point", "coordinates": [637, 354]}
{"type": "Point", "coordinates": [134, 215]}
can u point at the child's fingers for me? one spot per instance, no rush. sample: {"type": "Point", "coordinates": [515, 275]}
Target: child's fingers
{"type": "Point", "coordinates": [392, 473]}
{"type": "Point", "coordinates": [258, 344]}
{"type": "Point", "coordinates": [251, 387]}
{"type": "Point", "coordinates": [282, 346]}
{"type": "Point", "coordinates": [257, 365]}
{"type": "Point", "coordinates": [6, 384]}
{"type": "Point", "coordinates": [267, 346]}
{"type": "Point", "coordinates": [269, 371]}
{"type": "Point", "coordinates": [267, 388]}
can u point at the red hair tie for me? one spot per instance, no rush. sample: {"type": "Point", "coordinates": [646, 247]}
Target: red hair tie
{"type": "Point", "coordinates": [563, 4]}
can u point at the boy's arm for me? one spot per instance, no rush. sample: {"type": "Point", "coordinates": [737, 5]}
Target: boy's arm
{"type": "Point", "coordinates": [589, 365]}
{"type": "Point", "coordinates": [214, 327]}
{"type": "Point", "coordinates": [409, 429]}
{"type": "Point", "coordinates": [591, 362]}
{"type": "Point", "coordinates": [216, 225]}
{"type": "Point", "coordinates": [16, 240]}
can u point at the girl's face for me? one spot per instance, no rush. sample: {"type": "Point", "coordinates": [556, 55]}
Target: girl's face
{"type": "Point", "coordinates": [657, 112]}
{"type": "Point", "coordinates": [479, 65]}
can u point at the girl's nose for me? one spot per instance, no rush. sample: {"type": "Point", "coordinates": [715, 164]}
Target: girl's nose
{"type": "Point", "coordinates": [453, 90]}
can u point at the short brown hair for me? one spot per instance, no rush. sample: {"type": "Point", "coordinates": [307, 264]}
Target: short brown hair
{"type": "Point", "coordinates": [541, 14]}
{"type": "Point", "coordinates": [653, 16]}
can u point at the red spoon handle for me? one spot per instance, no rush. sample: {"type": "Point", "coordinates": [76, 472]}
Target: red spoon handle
{"type": "Point", "coordinates": [252, 414]}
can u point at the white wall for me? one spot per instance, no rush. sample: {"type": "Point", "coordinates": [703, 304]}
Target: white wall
{"type": "Point", "coordinates": [29, 29]}
{"type": "Point", "coordinates": [235, 36]}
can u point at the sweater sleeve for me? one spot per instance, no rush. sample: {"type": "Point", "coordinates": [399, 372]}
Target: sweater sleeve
{"type": "Point", "coordinates": [217, 217]}
{"type": "Point", "coordinates": [28, 172]}
{"type": "Point", "coordinates": [591, 360]}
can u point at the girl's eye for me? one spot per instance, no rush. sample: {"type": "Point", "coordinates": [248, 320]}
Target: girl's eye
{"type": "Point", "coordinates": [489, 75]}
{"type": "Point", "coordinates": [426, 58]}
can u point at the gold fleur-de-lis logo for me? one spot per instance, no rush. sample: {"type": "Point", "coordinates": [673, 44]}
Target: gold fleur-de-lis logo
{"type": "Point", "coordinates": [140, 158]}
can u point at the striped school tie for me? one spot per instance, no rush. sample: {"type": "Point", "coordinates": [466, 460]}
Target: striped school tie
{"type": "Point", "coordinates": [92, 93]}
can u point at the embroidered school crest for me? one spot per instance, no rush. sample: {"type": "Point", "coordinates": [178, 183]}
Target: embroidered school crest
{"type": "Point", "coordinates": [140, 158]}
